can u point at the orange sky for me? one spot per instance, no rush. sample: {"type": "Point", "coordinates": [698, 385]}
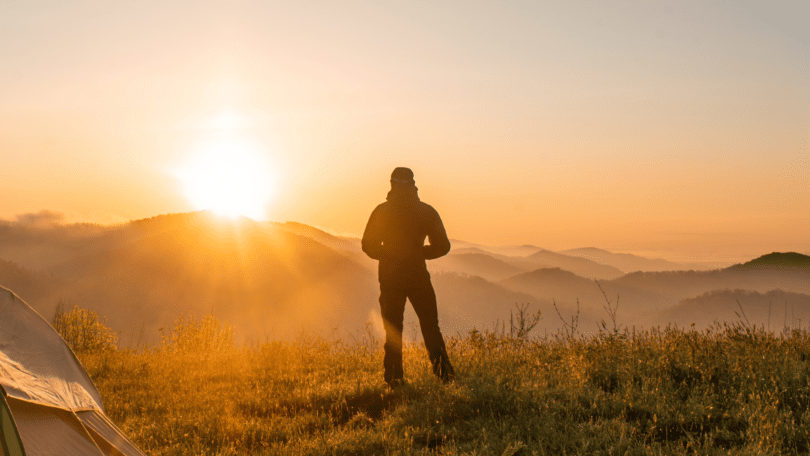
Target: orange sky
{"type": "Point", "coordinates": [651, 127]}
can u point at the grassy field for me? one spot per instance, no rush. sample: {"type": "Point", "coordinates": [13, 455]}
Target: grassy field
{"type": "Point", "coordinates": [729, 390]}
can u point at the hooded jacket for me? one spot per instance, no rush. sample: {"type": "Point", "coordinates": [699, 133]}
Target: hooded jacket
{"type": "Point", "coordinates": [395, 235]}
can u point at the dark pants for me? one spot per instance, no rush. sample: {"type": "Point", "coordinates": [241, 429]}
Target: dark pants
{"type": "Point", "coordinates": [392, 306]}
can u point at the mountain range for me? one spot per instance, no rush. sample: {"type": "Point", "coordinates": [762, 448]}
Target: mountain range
{"type": "Point", "coordinates": [271, 279]}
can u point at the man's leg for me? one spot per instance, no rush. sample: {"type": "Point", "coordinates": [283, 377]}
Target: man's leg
{"type": "Point", "coordinates": [392, 307]}
{"type": "Point", "coordinates": [423, 299]}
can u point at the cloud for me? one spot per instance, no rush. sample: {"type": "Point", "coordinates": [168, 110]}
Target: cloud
{"type": "Point", "coordinates": [41, 219]}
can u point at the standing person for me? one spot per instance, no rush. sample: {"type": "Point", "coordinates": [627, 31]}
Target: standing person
{"type": "Point", "coordinates": [395, 235]}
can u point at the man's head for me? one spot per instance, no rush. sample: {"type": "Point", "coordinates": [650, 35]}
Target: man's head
{"type": "Point", "coordinates": [402, 176]}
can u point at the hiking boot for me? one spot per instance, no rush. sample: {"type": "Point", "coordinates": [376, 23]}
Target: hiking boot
{"type": "Point", "coordinates": [396, 383]}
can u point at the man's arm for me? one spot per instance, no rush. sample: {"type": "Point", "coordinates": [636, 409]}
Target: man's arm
{"type": "Point", "coordinates": [372, 237]}
{"type": "Point", "coordinates": [439, 245]}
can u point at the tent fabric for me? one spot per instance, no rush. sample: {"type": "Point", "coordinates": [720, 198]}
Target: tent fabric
{"type": "Point", "coordinates": [37, 365]}
{"type": "Point", "coordinates": [51, 391]}
{"type": "Point", "coordinates": [49, 404]}
{"type": "Point", "coordinates": [106, 434]}
{"type": "Point", "coordinates": [50, 431]}
{"type": "Point", "coordinates": [10, 444]}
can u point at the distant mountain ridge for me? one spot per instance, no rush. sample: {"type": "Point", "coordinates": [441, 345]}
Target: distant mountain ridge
{"type": "Point", "coordinates": [540, 258]}
{"type": "Point", "coordinates": [506, 250]}
{"type": "Point", "coordinates": [580, 266]}
{"type": "Point", "coordinates": [269, 278]}
{"type": "Point", "coordinates": [628, 262]}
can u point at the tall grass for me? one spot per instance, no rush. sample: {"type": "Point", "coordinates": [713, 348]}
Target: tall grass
{"type": "Point", "coordinates": [731, 389]}
{"type": "Point", "coordinates": [188, 335]}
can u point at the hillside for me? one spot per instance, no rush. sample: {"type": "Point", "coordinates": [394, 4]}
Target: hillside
{"type": "Point", "coordinates": [36, 245]}
{"type": "Point", "coordinates": [643, 296]}
{"type": "Point", "coordinates": [265, 279]}
{"type": "Point", "coordinates": [278, 279]}
{"type": "Point", "coordinates": [322, 237]}
{"type": "Point", "coordinates": [773, 310]}
{"type": "Point", "coordinates": [548, 283]}
{"type": "Point", "coordinates": [777, 261]}
{"type": "Point", "coordinates": [467, 302]}
{"type": "Point", "coordinates": [661, 391]}
{"type": "Point", "coordinates": [660, 290]}
{"type": "Point", "coordinates": [477, 264]}
{"type": "Point", "coordinates": [580, 266]}
{"type": "Point", "coordinates": [261, 278]}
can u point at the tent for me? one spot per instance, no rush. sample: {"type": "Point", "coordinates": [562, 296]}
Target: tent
{"type": "Point", "coordinates": [48, 406]}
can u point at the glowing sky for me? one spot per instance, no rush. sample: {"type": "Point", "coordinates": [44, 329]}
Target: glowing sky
{"type": "Point", "coordinates": [678, 127]}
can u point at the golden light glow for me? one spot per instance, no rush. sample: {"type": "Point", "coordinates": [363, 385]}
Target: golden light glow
{"type": "Point", "coordinates": [229, 177]}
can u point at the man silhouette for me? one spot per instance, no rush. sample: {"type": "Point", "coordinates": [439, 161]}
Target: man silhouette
{"type": "Point", "coordinates": [395, 235]}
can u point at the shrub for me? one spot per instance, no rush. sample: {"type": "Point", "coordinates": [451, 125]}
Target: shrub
{"type": "Point", "coordinates": [82, 329]}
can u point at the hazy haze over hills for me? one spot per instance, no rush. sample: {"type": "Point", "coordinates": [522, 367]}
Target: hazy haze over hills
{"type": "Point", "coordinates": [628, 262]}
{"type": "Point", "coordinates": [277, 279]}
{"type": "Point", "coordinates": [773, 310]}
{"type": "Point", "coordinates": [260, 277]}
{"type": "Point", "coordinates": [508, 250]}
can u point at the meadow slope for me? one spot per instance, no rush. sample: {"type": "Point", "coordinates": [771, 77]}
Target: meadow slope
{"type": "Point", "coordinates": [731, 389]}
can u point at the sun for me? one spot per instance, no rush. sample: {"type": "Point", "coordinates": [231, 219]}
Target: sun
{"type": "Point", "coordinates": [229, 177]}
